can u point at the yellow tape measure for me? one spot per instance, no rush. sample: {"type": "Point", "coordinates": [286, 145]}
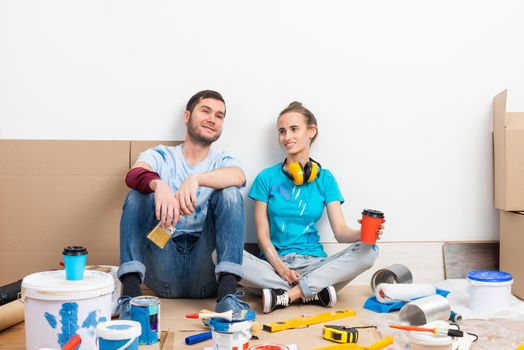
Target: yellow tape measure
{"type": "Point", "coordinates": [308, 320]}
{"type": "Point", "coordinates": [340, 334]}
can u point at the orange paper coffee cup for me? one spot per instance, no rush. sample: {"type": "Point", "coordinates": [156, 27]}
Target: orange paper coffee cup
{"type": "Point", "coordinates": [371, 221]}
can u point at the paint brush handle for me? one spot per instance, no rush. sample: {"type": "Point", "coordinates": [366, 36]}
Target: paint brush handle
{"type": "Point", "coordinates": [411, 328]}
{"type": "Point", "coordinates": [72, 343]}
{"type": "Point", "coordinates": [228, 315]}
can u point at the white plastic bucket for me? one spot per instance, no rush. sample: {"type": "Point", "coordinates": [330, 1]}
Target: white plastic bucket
{"type": "Point", "coordinates": [428, 341]}
{"type": "Point", "coordinates": [230, 335]}
{"type": "Point", "coordinates": [118, 335]}
{"type": "Point", "coordinates": [489, 291]}
{"type": "Point", "coordinates": [57, 309]}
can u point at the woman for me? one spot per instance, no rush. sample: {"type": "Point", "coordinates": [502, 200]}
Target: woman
{"type": "Point", "coordinates": [289, 200]}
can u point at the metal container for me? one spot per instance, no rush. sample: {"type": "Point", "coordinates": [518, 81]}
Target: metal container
{"type": "Point", "coordinates": [396, 273]}
{"type": "Point", "coordinates": [421, 311]}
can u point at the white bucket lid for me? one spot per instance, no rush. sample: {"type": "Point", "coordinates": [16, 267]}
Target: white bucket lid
{"type": "Point", "coordinates": [118, 330]}
{"type": "Point", "coordinates": [52, 285]}
{"type": "Point", "coordinates": [424, 338]}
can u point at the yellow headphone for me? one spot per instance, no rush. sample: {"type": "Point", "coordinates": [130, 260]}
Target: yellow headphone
{"type": "Point", "coordinates": [297, 173]}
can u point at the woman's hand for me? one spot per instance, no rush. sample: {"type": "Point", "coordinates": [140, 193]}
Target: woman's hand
{"type": "Point", "coordinates": [380, 229]}
{"type": "Point", "coordinates": [288, 275]}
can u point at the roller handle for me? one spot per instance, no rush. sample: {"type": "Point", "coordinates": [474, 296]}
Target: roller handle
{"type": "Point", "coordinates": [197, 338]}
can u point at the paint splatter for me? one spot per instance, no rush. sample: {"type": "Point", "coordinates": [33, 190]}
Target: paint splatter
{"type": "Point", "coordinates": [161, 152]}
{"type": "Point", "coordinates": [50, 319]}
{"type": "Point", "coordinates": [69, 316]}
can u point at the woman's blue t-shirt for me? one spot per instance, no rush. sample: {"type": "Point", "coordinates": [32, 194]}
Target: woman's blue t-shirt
{"type": "Point", "coordinates": [293, 210]}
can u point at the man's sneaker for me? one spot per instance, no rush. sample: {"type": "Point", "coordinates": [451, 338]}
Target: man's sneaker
{"type": "Point", "coordinates": [123, 307]}
{"type": "Point", "coordinates": [241, 309]}
{"type": "Point", "coordinates": [273, 299]}
{"type": "Point", "coordinates": [326, 297]}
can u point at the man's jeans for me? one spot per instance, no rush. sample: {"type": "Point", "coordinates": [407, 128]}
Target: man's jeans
{"type": "Point", "coordinates": [184, 268]}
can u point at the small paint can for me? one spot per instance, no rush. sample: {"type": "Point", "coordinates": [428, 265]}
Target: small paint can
{"type": "Point", "coordinates": [269, 347]}
{"type": "Point", "coordinates": [230, 335]}
{"type": "Point", "coordinates": [57, 309]}
{"type": "Point", "coordinates": [146, 311]}
{"type": "Point", "coordinates": [396, 273]}
{"type": "Point", "coordinates": [118, 335]}
{"type": "Point", "coordinates": [421, 311]}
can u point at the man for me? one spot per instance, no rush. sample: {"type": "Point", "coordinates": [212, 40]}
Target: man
{"type": "Point", "coordinates": [195, 190]}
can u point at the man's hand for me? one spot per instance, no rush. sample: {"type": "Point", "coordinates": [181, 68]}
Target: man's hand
{"type": "Point", "coordinates": [167, 208]}
{"type": "Point", "coordinates": [288, 275]}
{"type": "Point", "coordinates": [186, 195]}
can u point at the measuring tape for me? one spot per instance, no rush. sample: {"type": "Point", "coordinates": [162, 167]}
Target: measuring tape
{"type": "Point", "coordinates": [341, 334]}
{"type": "Point", "coordinates": [308, 320]}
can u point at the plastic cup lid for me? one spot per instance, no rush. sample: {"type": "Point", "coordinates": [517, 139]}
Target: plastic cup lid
{"type": "Point", "coordinates": [74, 250]}
{"type": "Point", "coordinates": [52, 285]}
{"type": "Point", "coordinates": [118, 330]}
{"type": "Point", "coordinates": [373, 213]}
{"type": "Point", "coordinates": [489, 276]}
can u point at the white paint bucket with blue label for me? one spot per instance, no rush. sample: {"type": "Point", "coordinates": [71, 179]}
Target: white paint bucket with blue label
{"type": "Point", "coordinates": [56, 309]}
{"type": "Point", "coordinates": [230, 335]}
{"type": "Point", "coordinates": [489, 291]}
{"type": "Point", "coordinates": [118, 335]}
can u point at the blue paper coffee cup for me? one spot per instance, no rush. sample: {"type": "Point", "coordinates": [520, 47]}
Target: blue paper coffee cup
{"type": "Point", "coordinates": [75, 262]}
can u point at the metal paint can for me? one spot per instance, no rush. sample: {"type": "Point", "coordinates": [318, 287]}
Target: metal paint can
{"type": "Point", "coordinates": [146, 311]}
{"type": "Point", "coordinates": [424, 310]}
{"type": "Point", "coordinates": [396, 273]}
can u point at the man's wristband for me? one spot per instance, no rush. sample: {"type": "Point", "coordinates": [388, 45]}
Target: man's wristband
{"type": "Point", "coordinates": [140, 178]}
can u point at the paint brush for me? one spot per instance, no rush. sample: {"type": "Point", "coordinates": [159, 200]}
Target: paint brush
{"type": "Point", "coordinates": [243, 315]}
{"type": "Point", "coordinates": [436, 331]}
{"type": "Point", "coordinates": [160, 235]}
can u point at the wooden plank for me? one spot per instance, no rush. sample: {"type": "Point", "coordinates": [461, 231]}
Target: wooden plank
{"type": "Point", "coordinates": [462, 257]}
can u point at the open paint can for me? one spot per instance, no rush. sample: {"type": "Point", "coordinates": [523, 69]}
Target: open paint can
{"type": "Point", "coordinates": [396, 273]}
{"type": "Point", "coordinates": [57, 309]}
{"type": "Point", "coordinates": [230, 335]}
{"type": "Point", "coordinates": [118, 335]}
{"type": "Point", "coordinates": [146, 311]}
{"type": "Point", "coordinates": [421, 311]}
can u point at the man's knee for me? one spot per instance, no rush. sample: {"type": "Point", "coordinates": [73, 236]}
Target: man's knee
{"type": "Point", "coordinates": [230, 195]}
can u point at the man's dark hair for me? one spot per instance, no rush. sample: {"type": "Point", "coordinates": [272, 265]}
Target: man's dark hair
{"type": "Point", "coordinates": [199, 96]}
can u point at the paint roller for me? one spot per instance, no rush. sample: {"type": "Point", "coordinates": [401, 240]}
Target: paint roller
{"type": "Point", "coordinates": [392, 292]}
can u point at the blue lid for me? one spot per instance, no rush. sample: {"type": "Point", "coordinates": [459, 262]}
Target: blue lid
{"type": "Point", "coordinates": [489, 276]}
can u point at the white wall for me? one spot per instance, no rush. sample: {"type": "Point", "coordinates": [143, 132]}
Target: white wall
{"type": "Point", "coordinates": [402, 89]}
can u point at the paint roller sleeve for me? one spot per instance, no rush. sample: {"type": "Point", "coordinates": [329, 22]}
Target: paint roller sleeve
{"type": "Point", "coordinates": [388, 293]}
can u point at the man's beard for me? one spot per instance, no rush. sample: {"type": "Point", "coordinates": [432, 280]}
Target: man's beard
{"type": "Point", "coordinates": [192, 130]}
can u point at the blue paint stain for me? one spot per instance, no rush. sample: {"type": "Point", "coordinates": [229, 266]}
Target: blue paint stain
{"type": "Point", "coordinates": [102, 319]}
{"type": "Point", "coordinates": [161, 152]}
{"type": "Point", "coordinates": [50, 319]}
{"type": "Point", "coordinates": [198, 211]}
{"type": "Point", "coordinates": [119, 326]}
{"type": "Point", "coordinates": [69, 315]}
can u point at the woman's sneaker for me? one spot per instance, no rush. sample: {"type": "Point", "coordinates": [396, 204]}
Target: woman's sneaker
{"type": "Point", "coordinates": [273, 299]}
{"type": "Point", "coordinates": [326, 297]}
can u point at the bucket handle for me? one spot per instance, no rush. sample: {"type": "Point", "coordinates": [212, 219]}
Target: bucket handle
{"type": "Point", "coordinates": [120, 348]}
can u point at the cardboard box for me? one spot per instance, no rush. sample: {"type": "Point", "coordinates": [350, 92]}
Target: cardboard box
{"type": "Point", "coordinates": [508, 130]}
{"type": "Point", "coordinates": [58, 193]}
{"type": "Point", "coordinates": [511, 249]}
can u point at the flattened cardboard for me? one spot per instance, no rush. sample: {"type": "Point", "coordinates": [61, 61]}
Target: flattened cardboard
{"type": "Point", "coordinates": [508, 130]}
{"type": "Point", "coordinates": [511, 245]}
{"type": "Point", "coordinates": [58, 193]}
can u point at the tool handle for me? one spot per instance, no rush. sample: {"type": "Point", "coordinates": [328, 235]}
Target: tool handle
{"type": "Point", "coordinates": [197, 338]}
{"type": "Point", "coordinates": [73, 342]}
{"type": "Point", "coordinates": [381, 344]}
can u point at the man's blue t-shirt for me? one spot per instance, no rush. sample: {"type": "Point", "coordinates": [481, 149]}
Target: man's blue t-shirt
{"type": "Point", "coordinates": [170, 164]}
{"type": "Point", "coordinates": [293, 210]}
